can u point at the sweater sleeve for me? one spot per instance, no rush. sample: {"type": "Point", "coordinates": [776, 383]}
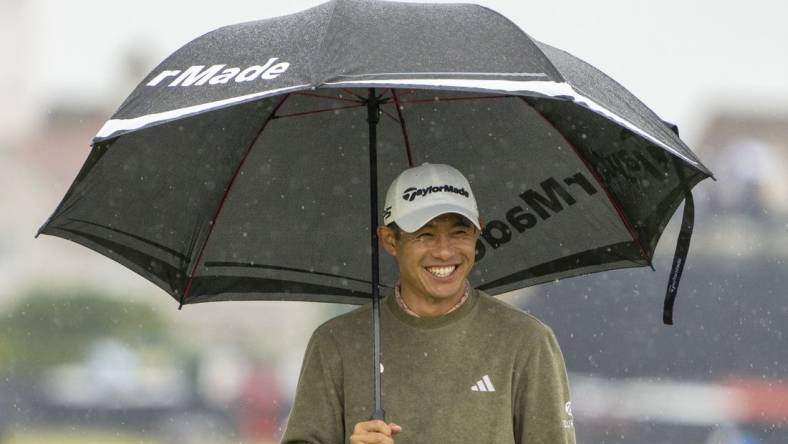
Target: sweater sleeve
{"type": "Point", "coordinates": [317, 416]}
{"type": "Point", "coordinates": [542, 407]}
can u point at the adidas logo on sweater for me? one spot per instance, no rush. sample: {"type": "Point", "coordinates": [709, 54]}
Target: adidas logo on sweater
{"type": "Point", "coordinates": [483, 385]}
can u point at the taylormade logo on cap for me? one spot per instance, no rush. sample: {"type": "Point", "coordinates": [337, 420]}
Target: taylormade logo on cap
{"type": "Point", "coordinates": [412, 193]}
{"type": "Point", "coordinates": [422, 193]}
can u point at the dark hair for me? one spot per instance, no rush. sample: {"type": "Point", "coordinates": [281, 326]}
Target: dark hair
{"type": "Point", "coordinates": [396, 229]}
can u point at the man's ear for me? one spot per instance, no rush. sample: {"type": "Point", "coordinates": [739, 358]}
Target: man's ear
{"type": "Point", "coordinates": [388, 239]}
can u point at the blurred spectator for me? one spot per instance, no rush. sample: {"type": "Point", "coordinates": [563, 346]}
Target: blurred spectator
{"type": "Point", "coordinates": [750, 179]}
{"type": "Point", "coordinates": [260, 404]}
{"type": "Point", "coordinates": [731, 435]}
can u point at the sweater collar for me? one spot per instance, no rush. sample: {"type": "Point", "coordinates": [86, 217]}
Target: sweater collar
{"type": "Point", "coordinates": [408, 310]}
{"type": "Point", "coordinates": [461, 311]}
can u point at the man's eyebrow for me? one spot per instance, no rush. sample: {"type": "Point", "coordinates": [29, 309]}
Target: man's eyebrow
{"type": "Point", "coordinates": [458, 222]}
{"type": "Point", "coordinates": [463, 222]}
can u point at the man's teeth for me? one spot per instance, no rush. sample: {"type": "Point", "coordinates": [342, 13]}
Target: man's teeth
{"type": "Point", "coordinates": [442, 271]}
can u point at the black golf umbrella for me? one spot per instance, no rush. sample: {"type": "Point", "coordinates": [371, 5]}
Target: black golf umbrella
{"type": "Point", "coordinates": [249, 164]}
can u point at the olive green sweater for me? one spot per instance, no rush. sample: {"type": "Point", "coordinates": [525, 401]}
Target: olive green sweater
{"type": "Point", "coordinates": [485, 373]}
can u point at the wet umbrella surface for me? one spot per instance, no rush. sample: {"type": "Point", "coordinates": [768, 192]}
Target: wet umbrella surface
{"type": "Point", "coordinates": [240, 167]}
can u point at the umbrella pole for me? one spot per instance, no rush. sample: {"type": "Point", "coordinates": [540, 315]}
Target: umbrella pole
{"type": "Point", "coordinates": [373, 116]}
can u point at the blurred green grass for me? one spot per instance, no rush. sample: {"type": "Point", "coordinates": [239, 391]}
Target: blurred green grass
{"type": "Point", "coordinates": [75, 436]}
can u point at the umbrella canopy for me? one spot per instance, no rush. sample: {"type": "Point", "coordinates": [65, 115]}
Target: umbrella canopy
{"type": "Point", "coordinates": [239, 168]}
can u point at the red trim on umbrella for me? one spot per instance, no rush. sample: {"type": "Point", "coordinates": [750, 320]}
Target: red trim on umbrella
{"type": "Point", "coordinates": [402, 125]}
{"type": "Point", "coordinates": [613, 201]}
{"type": "Point", "coordinates": [224, 198]}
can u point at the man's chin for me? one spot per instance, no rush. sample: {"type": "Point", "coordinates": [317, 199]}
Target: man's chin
{"type": "Point", "coordinates": [446, 291]}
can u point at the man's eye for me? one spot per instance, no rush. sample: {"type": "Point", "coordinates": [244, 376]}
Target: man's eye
{"type": "Point", "coordinates": [424, 235]}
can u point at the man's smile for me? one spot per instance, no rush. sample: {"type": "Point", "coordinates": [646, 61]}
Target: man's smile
{"type": "Point", "coordinates": [441, 271]}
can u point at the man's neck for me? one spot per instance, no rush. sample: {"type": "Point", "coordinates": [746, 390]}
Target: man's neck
{"type": "Point", "coordinates": [428, 307]}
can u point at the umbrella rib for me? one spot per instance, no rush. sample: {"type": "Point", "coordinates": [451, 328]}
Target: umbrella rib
{"type": "Point", "coordinates": [389, 115]}
{"type": "Point", "coordinates": [402, 125]}
{"type": "Point", "coordinates": [163, 248]}
{"type": "Point", "coordinates": [452, 99]}
{"type": "Point", "coordinates": [282, 268]}
{"type": "Point", "coordinates": [270, 117]}
{"type": "Point", "coordinates": [613, 201]}
{"type": "Point", "coordinates": [535, 273]}
{"type": "Point", "coordinates": [382, 97]}
{"type": "Point", "coordinates": [321, 96]}
{"type": "Point", "coordinates": [317, 111]}
{"type": "Point", "coordinates": [348, 91]}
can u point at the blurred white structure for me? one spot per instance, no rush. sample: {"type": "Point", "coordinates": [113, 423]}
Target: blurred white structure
{"type": "Point", "coordinates": [17, 25]}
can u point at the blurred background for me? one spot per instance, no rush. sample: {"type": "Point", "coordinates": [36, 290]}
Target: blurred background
{"type": "Point", "coordinates": [90, 352]}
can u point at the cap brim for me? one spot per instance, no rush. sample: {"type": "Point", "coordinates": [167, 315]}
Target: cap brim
{"type": "Point", "coordinates": [417, 219]}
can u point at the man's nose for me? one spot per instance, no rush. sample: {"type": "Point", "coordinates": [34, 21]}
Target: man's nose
{"type": "Point", "coordinates": [444, 248]}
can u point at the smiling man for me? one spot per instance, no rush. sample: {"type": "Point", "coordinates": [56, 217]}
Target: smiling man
{"type": "Point", "coordinates": [458, 365]}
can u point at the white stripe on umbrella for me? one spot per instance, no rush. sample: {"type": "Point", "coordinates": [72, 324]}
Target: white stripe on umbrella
{"type": "Point", "coordinates": [114, 126]}
{"type": "Point", "coordinates": [545, 88]}
{"type": "Point", "coordinates": [550, 89]}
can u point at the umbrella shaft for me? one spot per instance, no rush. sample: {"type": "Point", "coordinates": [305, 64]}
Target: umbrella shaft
{"type": "Point", "coordinates": [373, 116]}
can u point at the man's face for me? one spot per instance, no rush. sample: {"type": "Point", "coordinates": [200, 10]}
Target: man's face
{"type": "Point", "coordinates": [435, 260]}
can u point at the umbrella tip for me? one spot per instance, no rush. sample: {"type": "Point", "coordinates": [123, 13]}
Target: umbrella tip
{"type": "Point", "coordinates": [38, 233]}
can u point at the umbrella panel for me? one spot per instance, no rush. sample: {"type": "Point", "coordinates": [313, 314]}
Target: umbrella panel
{"type": "Point", "coordinates": [289, 192]}
{"type": "Point", "coordinates": [310, 225]}
{"type": "Point", "coordinates": [147, 200]}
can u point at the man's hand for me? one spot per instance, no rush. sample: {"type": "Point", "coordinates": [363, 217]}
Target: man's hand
{"type": "Point", "coordinates": [374, 432]}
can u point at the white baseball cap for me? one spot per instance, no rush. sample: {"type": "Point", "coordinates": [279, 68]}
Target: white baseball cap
{"type": "Point", "coordinates": [424, 192]}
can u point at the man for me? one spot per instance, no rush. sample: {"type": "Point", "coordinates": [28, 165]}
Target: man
{"type": "Point", "coordinates": [458, 366]}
